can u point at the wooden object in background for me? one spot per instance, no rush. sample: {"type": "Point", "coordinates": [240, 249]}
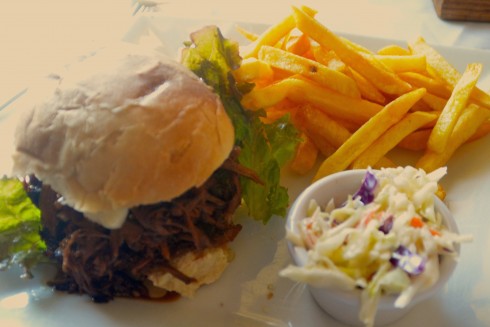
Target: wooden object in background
{"type": "Point", "coordinates": [465, 10]}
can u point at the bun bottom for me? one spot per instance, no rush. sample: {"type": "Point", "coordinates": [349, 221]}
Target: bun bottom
{"type": "Point", "coordinates": [205, 268]}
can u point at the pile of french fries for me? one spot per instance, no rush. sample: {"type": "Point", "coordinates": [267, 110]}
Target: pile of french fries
{"type": "Point", "coordinates": [353, 105]}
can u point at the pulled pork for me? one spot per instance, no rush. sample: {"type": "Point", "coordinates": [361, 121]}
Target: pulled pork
{"type": "Point", "coordinates": [105, 263]}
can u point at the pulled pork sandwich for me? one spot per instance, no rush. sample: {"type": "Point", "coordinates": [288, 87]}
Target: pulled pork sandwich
{"type": "Point", "coordinates": [128, 173]}
{"type": "Point", "coordinates": [133, 165]}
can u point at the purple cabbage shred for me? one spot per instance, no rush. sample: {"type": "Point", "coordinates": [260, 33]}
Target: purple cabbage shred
{"type": "Point", "coordinates": [412, 263]}
{"type": "Point", "coordinates": [387, 225]}
{"type": "Point", "coordinates": [366, 191]}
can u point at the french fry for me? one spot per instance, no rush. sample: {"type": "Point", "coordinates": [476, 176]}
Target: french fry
{"type": "Point", "coordinates": [416, 141]}
{"type": "Point", "coordinates": [328, 58]}
{"type": "Point", "coordinates": [457, 102]}
{"type": "Point", "coordinates": [311, 69]}
{"type": "Point", "coordinates": [391, 138]}
{"type": "Point", "coordinates": [421, 106]}
{"type": "Point", "coordinates": [368, 91]}
{"type": "Point", "coordinates": [368, 133]}
{"type": "Point", "coordinates": [434, 102]}
{"type": "Point", "coordinates": [318, 122]}
{"type": "Point", "coordinates": [267, 96]}
{"type": "Point", "coordinates": [439, 67]}
{"type": "Point", "coordinates": [482, 131]}
{"type": "Point", "coordinates": [325, 148]}
{"type": "Point", "coordinates": [431, 124]}
{"type": "Point", "coordinates": [430, 84]}
{"type": "Point", "coordinates": [298, 45]}
{"type": "Point", "coordinates": [305, 156]}
{"type": "Point", "coordinates": [336, 105]}
{"type": "Point", "coordinates": [393, 50]}
{"type": "Point", "coordinates": [302, 91]}
{"type": "Point", "coordinates": [246, 33]}
{"type": "Point", "coordinates": [407, 63]}
{"type": "Point", "coordinates": [384, 80]}
{"type": "Point", "coordinates": [326, 133]}
{"type": "Point", "coordinates": [466, 126]}
{"type": "Point", "coordinates": [274, 34]}
{"type": "Point", "coordinates": [279, 110]}
{"type": "Point", "coordinates": [253, 70]}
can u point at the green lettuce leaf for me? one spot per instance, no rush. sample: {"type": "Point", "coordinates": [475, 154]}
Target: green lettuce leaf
{"type": "Point", "coordinates": [20, 224]}
{"type": "Point", "coordinates": [265, 148]}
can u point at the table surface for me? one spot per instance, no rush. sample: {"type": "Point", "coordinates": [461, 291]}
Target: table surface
{"type": "Point", "coordinates": [39, 36]}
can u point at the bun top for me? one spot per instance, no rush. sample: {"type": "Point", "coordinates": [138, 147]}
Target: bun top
{"type": "Point", "coordinates": [123, 128]}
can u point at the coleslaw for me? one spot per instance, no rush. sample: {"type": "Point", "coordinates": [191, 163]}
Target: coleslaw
{"type": "Point", "coordinates": [387, 238]}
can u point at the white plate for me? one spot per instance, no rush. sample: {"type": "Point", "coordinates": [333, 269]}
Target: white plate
{"type": "Point", "coordinates": [250, 293]}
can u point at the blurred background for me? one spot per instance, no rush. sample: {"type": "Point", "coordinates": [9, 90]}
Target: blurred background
{"type": "Point", "coordinates": [38, 36]}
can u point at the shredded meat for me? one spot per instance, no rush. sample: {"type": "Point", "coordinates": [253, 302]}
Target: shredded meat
{"type": "Point", "coordinates": [106, 263]}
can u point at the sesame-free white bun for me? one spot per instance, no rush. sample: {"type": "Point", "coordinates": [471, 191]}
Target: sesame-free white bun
{"type": "Point", "coordinates": [124, 128]}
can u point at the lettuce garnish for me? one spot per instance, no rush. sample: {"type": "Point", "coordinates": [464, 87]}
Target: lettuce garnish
{"type": "Point", "coordinates": [264, 147]}
{"type": "Point", "coordinates": [20, 224]}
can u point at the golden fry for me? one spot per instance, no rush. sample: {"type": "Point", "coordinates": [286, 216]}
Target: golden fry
{"type": "Point", "coordinates": [302, 91]}
{"type": "Point", "coordinates": [399, 64]}
{"type": "Point", "coordinates": [253, 70]}
{"type": "Point", "coordinates": [326, 133]}
{"type": "Point", "coordinates": [466, 126]}
{"type": "Point", "coordinates": [391, 138]}
{"type": "Point", "coordinates": [246, 33]}
{"type": "Point", "coordinates": [267, 96]}
{"type": "Point", "coordinates": [311, 69]}
{"type": "Point", "coordinates": [439, 67]}
{"type": "Point", "coordinates": [483, 130]}
{"type": "Point", "coordinates": [457, 102]}
{"type": "Point", "coordinates": [274, 34]}
{"type": "Point", "coordinates": [368, 133]}
{"type": "Point", "coordinates": [434, 102]}
{"type": "Point", "coordinates": [325, 148]}
{"type": "Point", "coordinates": [279, 110]}
{"type": "Point", "coordinates": [298, 45]}
{"type": "Point", "coordinates": [336, 105]}
{"type": "Point", "coordinates": [317, 121]}
{"type": "Point", "coordinates": [430, 84]}
{"type": "Point", "coordinates": [393, 50]}
{"type": "Point", "coordinates": [328, 58]}
{"type": "Point", "coordinates": [368, 90]}
{"type": "Point", "coordinates": [421, 106]}
{"type": "Point", "coordinates": [384, 80]}
{"type": "Point", "coordinates": [416, 141]}
{"type": "Point", "coordinates": [305, 156]}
